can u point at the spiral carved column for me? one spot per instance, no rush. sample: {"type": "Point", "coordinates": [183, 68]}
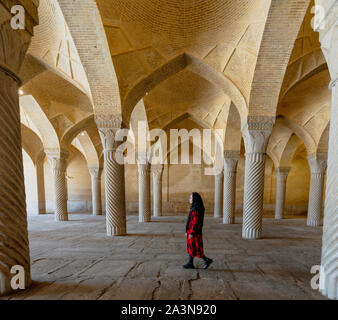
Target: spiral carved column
{"type": "Point", "coordinates": [218, 195]}
{"type": "Point", "coordinates": [229, 188]}
{"type": "Point", "coordinates": [58, 164]}
{"type": "Point", "coordinates": [317, 163]}
{"type": "Point", "coordinates": [330, 228]}
{"type": "Point", "coordinates": [157, 171]}
{"type": "Point", "coordinates": [282, 174]}
{"type": "Point", "coordinates": [328, 36]}
{"type": "Point", "coordinates": [114, 176]}
{"type": "Point", "coordinates": [95, 174]}
{"type": "Point", "coordinates": [256, 136]}
{"type": "Point", "coordinates": [14, 247]}
{"type": "Point", "coordinates": [144, 192]}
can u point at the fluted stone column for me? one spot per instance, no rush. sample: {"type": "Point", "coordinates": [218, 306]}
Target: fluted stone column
{"type": "Point", "coordinates": [218, 205]}
{"type": "Point", "coordinates": [329, 260]}
{"type": "Point", "coordinates": [256, 135]}
{"type": "Point", "coordinates": [282, 174]}
{"type": "Point", "coordinates": [317, 163]}
{"type": "Point", "coordinates": [157, 171]}
{"type": "Point", "coordinates": [328, 36]}
{"type": "Point", "coordinates": [229, 188]}
{"type": "Point", "coordinates": [114, 175]}
{"type": "Point", "coordinates": [14, 244]}
{"type": "Point", "coordinates": [95, 174]}
{"type": "Point", "coordinates": [144, 192]}
{"type": "Point", "coordinates": [58, 163]}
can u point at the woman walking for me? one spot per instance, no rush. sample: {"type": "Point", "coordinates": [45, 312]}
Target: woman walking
{"type": "Point", "coordinates": [194, 232]}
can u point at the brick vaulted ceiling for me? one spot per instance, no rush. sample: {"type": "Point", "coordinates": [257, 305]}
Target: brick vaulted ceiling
{"type": "Point", "coordinates": [218, 51]}
{"type": "Point", "coordinates": [144, 35]}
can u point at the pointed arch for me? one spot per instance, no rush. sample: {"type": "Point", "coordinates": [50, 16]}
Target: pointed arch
{"type": "Point", "coordinates": [36, 114]}
{"type": "Point", "coordinates": [172, 67]}
{"type": "Point", "coordinates": [274, 54]}
{"type": "Point", "coordinates": [31, 143]}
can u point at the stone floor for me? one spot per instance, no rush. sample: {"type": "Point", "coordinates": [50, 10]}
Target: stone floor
{"type": "Point", "coordinates": [75, 260]}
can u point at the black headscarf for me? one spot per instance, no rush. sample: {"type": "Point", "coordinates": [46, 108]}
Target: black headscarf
{"type": "Point", "coordinates": [197, 204]}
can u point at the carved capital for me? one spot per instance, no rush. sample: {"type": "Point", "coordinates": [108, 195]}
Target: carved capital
{"type": "Point", "coordinates": [95, 172]}
{"type": "Point", "coordinates": [143, 169]}
{"type": "Point", "coordinates": [231, 158]}
{"type": "Point", "coordinates": [157, 170]}
{"type": "Point", "coordinates": [58, 160]}
{"type": "Point", "coordinates": [282, 173]}
{"type": "Point", "coordinates": [219, 176]}
{"type": "Point", "coordinates": [108, 126]}
{"type": "Point", "coordinates": [318, 162]}
{"type": "Point", "coordinates": [256, 133]}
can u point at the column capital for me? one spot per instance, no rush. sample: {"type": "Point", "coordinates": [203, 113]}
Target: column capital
{"type": "Point", "coordinates": [317, 162]}
{"type": "Point", "coordinates": [95, 172]}
{"type": "Point", "coordinates": [57, 159]}
{"type": "Point", "coordinates": [231, 160]}
{"type": "Point", "coordinates": [256, 133]}
{"type": "Point", "coordinates": [108, 126]}
{"type": "Point", "coordinates": [232, 154]}
{"type": "Point", "coordinates": [157, 170]}
{"type": "Point", "coordinates": [219, 175]}
{"type": "Point", "coordinates": [282, 172]}
{"type": "Point", "coordinates": [143, 168]}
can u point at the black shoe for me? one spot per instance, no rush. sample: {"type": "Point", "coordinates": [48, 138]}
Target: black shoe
{"type": "Point", "coordinates": [207, 263]}
{"type": "Point", "coordinates": [188, 266]}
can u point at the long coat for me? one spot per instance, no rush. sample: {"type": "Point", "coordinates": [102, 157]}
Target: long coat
{"type": "Point", "coordinates": [194, 228]}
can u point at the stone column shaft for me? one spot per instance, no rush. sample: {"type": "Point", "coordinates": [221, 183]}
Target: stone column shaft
{"type": "Point", "coordinates": [14, 247]}
{"type": "Point", "coordinates": [58, 164]}
{"type": "Point", "coordinates": [157, 189]}
{"type": "Point", "coordinates": [114, 176]}
{"type": "Point", "coordinates": [256, 136]}
{"type": "Point", "coordinates": [317, 166]}
{"type": "Point", "coordinates": [40, 180]}
{"type": "Point", "coordinates": [144, 192]}
{"type": "Point", "coordinates": [218, 195]}
{"type": "Point", "coordinates": [229, 189]}
{"type": "Point", "coordinates": [95, 174]}
{"type": "Point", "coordinates": [328, 36]}
{"type": "Point", "coordinates": [282, 174]}
{"type": "Point", "coordinates": [14, 244]}
{"type": "Point", "coordinates": [329, 260]}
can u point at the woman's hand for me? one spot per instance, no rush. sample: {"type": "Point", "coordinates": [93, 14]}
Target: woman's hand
{"type": "Point", "coordinates": [190, 236]}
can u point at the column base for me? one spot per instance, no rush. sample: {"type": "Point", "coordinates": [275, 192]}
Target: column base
{"type": "Point", "coordinates": [313, 223]}
{"type": "Point", "coordinates": [144, 220]}
{"type": "Point", "coordinates": [278, 218]}
{"type": "Point", "coordinates": [116, 231]}
{"type": "Point", "coordinates": [97, 213]}
{"type": "Point", "coordinates": [228, 220]}
{"type": "Point", "coordinates": [251, 234]}
{"type": "Point", "coordinates": [331, 287]}
{"type": "Point", "coordinates": [61, 218]}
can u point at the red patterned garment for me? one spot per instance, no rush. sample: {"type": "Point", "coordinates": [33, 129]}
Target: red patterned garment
{"type": "Point", "coordinates": [194, 228]}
